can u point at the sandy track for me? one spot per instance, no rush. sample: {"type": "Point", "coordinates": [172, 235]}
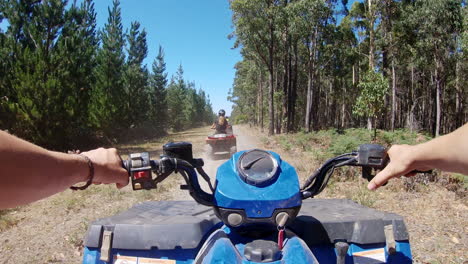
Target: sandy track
{"type": "Point", "coordinates": [246, 139]}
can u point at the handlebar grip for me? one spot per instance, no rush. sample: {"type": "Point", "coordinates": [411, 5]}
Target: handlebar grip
{"type": "Point", "coordinates": [126, 166]}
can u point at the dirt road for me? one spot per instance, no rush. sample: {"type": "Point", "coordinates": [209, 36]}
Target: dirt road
{"type": "Point", "coordinates": [246, 139]}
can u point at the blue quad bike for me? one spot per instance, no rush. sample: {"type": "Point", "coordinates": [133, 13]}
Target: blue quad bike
{"type": "Point", "coordinates": [256, 213]}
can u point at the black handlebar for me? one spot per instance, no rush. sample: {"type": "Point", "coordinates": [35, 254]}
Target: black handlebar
{"type": "Point", "coordinates": [369, 157]}
{"type": "Point", "coordinates": [140, 168]}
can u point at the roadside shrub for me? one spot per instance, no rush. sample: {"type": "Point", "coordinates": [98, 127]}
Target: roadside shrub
{"type": "Point", "coordinates": [285, 142]}
{"type": "Point", "coordinates": [6, 220]}
{"type": "Point", "coordinates": [349, 141]}
{"type": "Point", "coordinates": [399, 136]}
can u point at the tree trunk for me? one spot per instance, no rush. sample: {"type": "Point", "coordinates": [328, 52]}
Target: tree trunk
{"type": "Point", "coordinates": [261, 102]}
{"type": "Point", "coordinates": [438, 92]}
{"type": "Point", "coordinates": [458, 97]}
{"type": "Point", "coordinates": [294, 90]}
{"type": "Point", "coordinates": [354, 74]}
{"type": "Point", "coordinates": [369, 123]}
{"type": "Point", "coordinates": [343, 105]}
{"type": "Point", "coordinates": [271, 112]}
{"type": "Point", "coordinates": [310, 87]}
{"type": "Point", "coordinates": [393, 95]}
{"type": "Point", "coordinates": [271, 90]}
{"type": "Point", "coordinates": [371, 20]}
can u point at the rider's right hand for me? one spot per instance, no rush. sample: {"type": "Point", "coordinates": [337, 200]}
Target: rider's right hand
{"type": "Point", "coordinates": [107, 167]}
{"type": "Point", "coordinates": [403, 161]}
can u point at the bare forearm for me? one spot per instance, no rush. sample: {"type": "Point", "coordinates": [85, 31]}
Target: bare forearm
{"type": "Point", "coordinates": [30, 173]}
{"type": "Point", "coordinates": [447, 153]}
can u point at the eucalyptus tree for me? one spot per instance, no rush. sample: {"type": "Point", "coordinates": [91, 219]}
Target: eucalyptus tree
{"type": "Point", "coordinates": [309, 18]}
{"type": "Point", "coordinates": [244, 92]}
{"type": "Point", "coordinates": [255, 24]}
{"type": "Point", "coordinates": [438, 22]}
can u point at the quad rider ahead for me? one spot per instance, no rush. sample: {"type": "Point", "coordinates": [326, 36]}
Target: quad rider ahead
{"type": "Point", "coordinates": [221, 123]}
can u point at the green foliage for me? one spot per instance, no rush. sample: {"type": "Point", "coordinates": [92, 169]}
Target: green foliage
{"type": "Point", "coordinates": [349, 141]}
{"type": "Point", "coordinates": [7, 220]}
{"type": "Point", "coordinates": [176, 100]}
{"type": "Point", "coordinates": [48, 79]}
{"type": "Point", "coordinates": [158, 102]}
{"type": "Point", "coordinates": [325, 144]}
{"type": "Point", "coordinates": [285, 142]}
{"type": "Point", "coordinates": [240, 119]}
{"type": "Point", "coordinates": [402, 136]}
{"type": "Point", "coordinates": [186, 106]}
{"type": "Point", "coordinates": [244, 93]}
{"type": "Point", "coordinates": [463, 179]}
{"type": "Point", "coordinates": [136, 77]}
{"type": "Point", "coordinates": [373, 87]}
{"type": "Point", "coordinates": [108, 108]}
{"type": "Point", "coordinates": [322, 68]}
{"type": "Point", "coordinates": [63, 85]}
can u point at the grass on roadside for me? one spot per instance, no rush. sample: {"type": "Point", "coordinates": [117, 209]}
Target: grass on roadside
{"type": "Point", "coordinates": [318, 146]}
{"type": "Point", "coordinates": [7, 220]}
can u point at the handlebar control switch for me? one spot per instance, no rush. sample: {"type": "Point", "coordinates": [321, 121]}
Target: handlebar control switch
{"type": "Point", "coordinates": [140, 171]}
{"type": "Point", "coordinates": [371, 156]}
{"type": "Point", "coordinates": [179, 150]}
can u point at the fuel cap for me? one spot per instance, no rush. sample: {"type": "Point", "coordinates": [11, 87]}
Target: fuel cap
{"type": "Point", "coordinates": [257, 167]}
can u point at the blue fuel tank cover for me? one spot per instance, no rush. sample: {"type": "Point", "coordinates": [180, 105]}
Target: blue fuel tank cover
{"type": "Point", "coordinates": [258, 182]}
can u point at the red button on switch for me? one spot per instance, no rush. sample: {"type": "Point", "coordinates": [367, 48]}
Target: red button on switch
{"type": "Point", "coordinates": [140, 174]}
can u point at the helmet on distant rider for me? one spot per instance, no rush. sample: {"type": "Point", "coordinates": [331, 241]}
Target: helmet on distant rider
{"type": "Point", "coordinates": [221, 112]}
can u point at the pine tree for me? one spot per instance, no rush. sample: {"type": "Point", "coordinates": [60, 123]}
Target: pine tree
{"type": "Point", "coordinates": [77, 48]}
{"type": "Point", "coordinates": [176, 96]}
{"type": "Point", "coordinates": [136, 76]}
{"type": "Point", "coordinates": [108, 108]}
{"type": "Point", "coordinates": [37, 95]}
{"type": "Point", "coordinates": [190, 105]}
{"type": "Point", "coordinates": [158, 100]}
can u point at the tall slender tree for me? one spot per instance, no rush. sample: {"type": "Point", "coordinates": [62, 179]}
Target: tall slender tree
{"type": "Point", "coordinates": [176, 100]}
{"type": "Point", "coordinates": [108, 108]}
{"type": "Point", "coordinates": [158, 93]}
{"type": "Point", "coordinates": [136, 76]}
{"type": "Point", "coordinates": [256, 28]}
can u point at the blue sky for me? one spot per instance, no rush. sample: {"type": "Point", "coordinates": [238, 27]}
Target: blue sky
{"type": "Point", "coordinates": [192, 33]}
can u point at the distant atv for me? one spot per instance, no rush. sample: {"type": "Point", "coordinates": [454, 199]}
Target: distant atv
{"type": "Point", "coordinates": [222, 144]}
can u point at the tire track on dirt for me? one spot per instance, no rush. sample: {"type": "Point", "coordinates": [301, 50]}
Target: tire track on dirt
{"type": "Point", "coordinates": [246, 139]}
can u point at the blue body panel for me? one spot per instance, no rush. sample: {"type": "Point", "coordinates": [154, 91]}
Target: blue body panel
{"type": "Point", "coordinates": [229, 249]}
{"type": "Point", "coordinates": [220, 244]}
{"type": "Point", "coordinates": [92, 255]}
{"type": "Point", "coordinates": [327, 254]}
{"type": "Point", "coordinates": [258, 202]}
